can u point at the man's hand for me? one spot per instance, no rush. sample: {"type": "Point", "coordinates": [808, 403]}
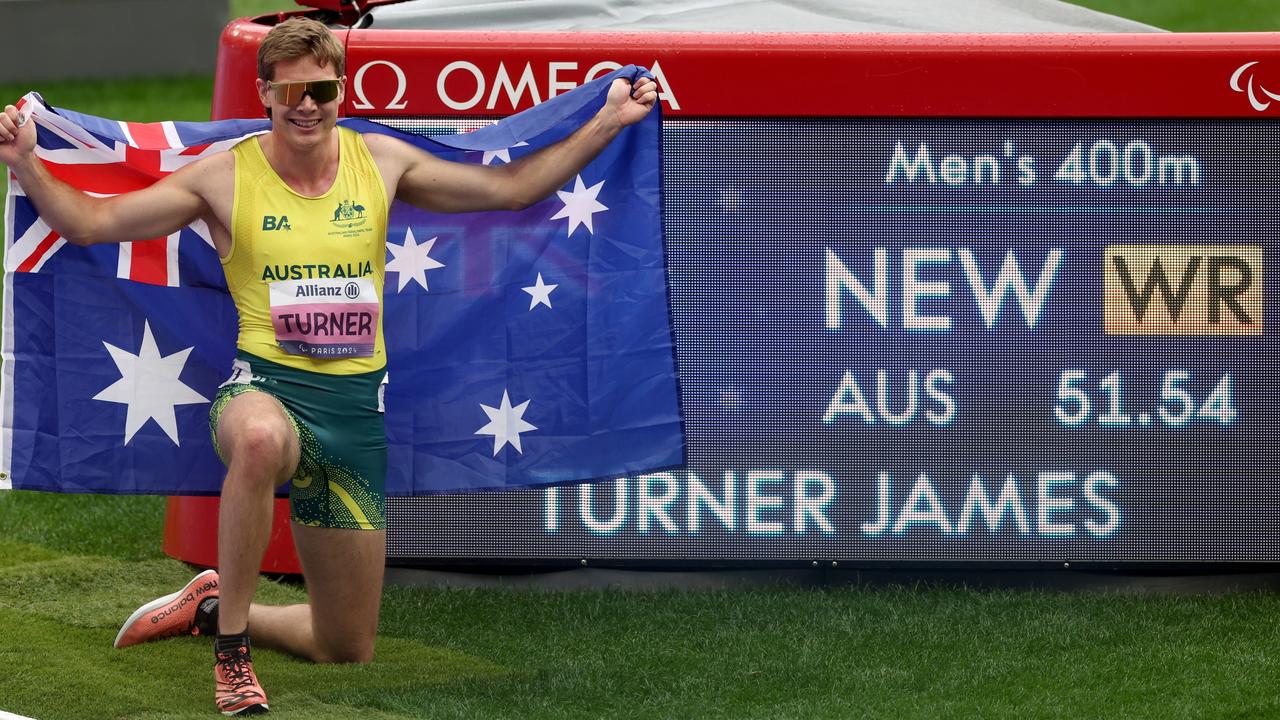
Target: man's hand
{"type": "Point", "coordinates": [16, 143]}
{"type": "Point", "coordinates": [632, 101]}
{"type": "Point", "coordinates": [427, 182]}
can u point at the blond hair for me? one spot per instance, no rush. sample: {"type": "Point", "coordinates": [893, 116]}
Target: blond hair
{"type": "Point", "coordinates": [295, 38]}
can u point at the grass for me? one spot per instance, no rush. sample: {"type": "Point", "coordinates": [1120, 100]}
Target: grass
{"type": "Point", "coordinates": [252, 8]}
{"type": "Point", "coordinates": [72, 567]}
{"type": "Point", "coordinates": [134, 99]}
{"type": "Point", "coordinates": [1194, 15]}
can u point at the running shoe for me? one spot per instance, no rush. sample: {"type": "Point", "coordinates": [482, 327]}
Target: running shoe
{"type": "Point", "coordinates": [170, 615]}
{"type": "Point", "coordinates": [236, 689]}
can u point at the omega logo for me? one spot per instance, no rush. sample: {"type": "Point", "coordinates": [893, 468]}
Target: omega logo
{"type": "Point", "coordinates": [397, 103]}
{"type": "Point", "coordinates": [518, 85]}
{"type": "Point", "coordinates": [524, 84]}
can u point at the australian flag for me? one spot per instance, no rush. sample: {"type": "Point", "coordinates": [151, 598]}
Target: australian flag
{"type": "Point", "coordinates": [524, 348]}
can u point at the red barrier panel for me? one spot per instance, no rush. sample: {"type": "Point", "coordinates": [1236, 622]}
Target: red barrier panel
{"type": "Point", "coordinates": [191, 534]}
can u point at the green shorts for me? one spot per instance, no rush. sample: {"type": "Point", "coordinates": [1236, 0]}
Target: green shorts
{"type": "Point", "coordinates": [342, 468]}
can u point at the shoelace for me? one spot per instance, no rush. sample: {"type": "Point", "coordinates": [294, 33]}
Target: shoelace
{"type": "Point", "coordinates": [236, 668]}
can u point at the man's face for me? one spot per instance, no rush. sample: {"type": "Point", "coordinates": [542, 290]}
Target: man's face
{"type": "Point", "coordinates": [306, 122]}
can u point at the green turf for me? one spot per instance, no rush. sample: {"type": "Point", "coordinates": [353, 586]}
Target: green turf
{"type": "Point", "coordinates": [134, 99]}
{"type": "Point", "coordinates": [252, 8]}
{"type": "Point", "coordinates": [128, 528]}
{"type": "Point", "coordinates": [1194, 15]}
{"type": "Point", "coordinates": [896, 652]}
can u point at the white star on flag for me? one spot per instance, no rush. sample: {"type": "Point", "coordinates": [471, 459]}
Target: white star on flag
{"type": "Point", "coordinates": [410, 261]}
{"type": "Point", "coordinates": [504, 154]}
{"type": "Point", "coordinates": [540, 293]}
{"type": "Point", "coordinates": [149, 385]}
{"type": "Point", "coordinates": [580, 205]}
{"type": "Point", "coordinates": [505, 424]}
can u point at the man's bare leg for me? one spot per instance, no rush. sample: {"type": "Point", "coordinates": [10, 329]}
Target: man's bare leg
{"type": "Point", "coordinates": [343, 570]}
{"type": "Point", "coordinates": [261, 448]}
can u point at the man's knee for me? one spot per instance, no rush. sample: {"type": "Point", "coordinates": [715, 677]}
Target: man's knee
{"type": "Point", "coordinates": [263, 444]}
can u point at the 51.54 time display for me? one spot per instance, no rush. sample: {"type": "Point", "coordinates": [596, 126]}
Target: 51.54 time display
{"type": "Point", "coordinates": [1180, 402]}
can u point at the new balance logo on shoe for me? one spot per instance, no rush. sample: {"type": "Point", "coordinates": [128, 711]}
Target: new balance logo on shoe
{"type": "Point", "coordinates": [170, 615]}
{"type": "Point", "coordinates": [195, 595]}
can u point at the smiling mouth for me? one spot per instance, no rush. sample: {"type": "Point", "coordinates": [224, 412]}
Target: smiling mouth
{"type": "Point", "coordinates": [306, 124]}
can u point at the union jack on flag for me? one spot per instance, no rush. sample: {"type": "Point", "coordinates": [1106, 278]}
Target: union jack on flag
{"type": "Point", "coordinates": [105, 158]}
{"type": "Point", "coordinates": [524, 348]}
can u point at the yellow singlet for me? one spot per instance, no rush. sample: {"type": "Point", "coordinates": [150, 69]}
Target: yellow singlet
{"type": "Point", "coordinates": [306, 273]}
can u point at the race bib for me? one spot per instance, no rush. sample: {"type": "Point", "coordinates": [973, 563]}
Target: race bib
{"type": "Point", "coordinates": [325, 318]}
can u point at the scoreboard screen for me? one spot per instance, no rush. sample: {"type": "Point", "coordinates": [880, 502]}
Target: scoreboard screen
{"type": "Point", "coordinates": [936, 298]}
{"type": "Point", "coordinates": [944, 339]}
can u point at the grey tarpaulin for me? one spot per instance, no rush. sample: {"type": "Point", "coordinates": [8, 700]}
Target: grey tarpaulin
{"type": "Point", "coordinates": [751, 16]}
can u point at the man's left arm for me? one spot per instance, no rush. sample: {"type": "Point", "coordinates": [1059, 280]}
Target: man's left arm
{"type": "Point", "coordinates": [442, 186]}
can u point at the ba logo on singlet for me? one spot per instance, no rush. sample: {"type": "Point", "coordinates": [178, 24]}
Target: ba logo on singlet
{"type": "Point", "coordinates": [271, 222]}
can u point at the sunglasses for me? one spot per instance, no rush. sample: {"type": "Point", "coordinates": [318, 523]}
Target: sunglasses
{"type": "Point", "coordinates": [291, 93]}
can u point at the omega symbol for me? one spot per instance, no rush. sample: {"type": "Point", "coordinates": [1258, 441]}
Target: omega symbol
{"type": "Point", "coordinates": [397, 103]}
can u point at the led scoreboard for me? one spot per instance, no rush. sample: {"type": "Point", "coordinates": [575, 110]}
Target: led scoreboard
{"type": "Point", "coordinates": [935, 298]}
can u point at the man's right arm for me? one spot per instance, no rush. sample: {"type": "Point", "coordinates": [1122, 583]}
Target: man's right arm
{"type": "Point", "coordinates": [157, 210]}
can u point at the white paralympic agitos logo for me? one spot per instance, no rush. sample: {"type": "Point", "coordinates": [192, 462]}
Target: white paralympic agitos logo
{"type": "Point", "coordinates": [1248, 89]}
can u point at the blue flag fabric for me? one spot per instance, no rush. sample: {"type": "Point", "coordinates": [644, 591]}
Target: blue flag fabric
{"type": "Point", "coordinates": [524, 348]}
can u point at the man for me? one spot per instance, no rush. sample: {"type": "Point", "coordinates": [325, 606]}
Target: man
{"type": "Point", "coordinates": [303, 400]}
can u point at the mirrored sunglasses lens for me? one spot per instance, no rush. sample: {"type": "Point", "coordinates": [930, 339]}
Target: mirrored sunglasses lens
{"type": "Point", "coordinates": [288, 93]}
{"type": "Point", "coordinates": [322, 91]}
